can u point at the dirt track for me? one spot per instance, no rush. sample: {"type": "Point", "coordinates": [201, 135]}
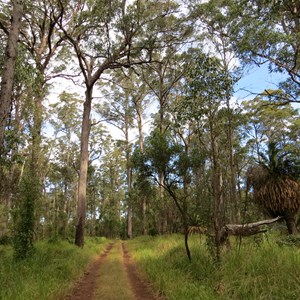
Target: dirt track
{"type": "Point", "coordinates": [90, 286]}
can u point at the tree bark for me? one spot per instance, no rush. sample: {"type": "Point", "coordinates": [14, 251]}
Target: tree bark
{"type": "Point", "coordinates": [289, 218]}
{"type": "Point", "coordinates": [11, 53]}
{"type": "Point", "coordinates": [128, 168]}
{"type": "Point", "coordinates": [244, 229]}
{"type": "Point", "coordinates": [218, 201]}
{"type": "Point", "coordinates": [83, 171]}
{"type": "Point", "coordinates": [141, 144]}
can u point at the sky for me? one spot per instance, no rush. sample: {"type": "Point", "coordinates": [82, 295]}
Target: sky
{"type": "Point", "coordinates": [256, 80]}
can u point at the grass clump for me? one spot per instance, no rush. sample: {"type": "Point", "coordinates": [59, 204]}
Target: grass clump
{"type": "Point", "coordinates": [265, 270]}
{"type": "Point", "coordinates": [164, 260]}
{"type": "Point", "coordinates": [49, 274]}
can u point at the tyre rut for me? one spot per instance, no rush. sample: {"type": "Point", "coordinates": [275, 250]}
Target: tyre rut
{"type": "Point", "coordinates": [84, 289]}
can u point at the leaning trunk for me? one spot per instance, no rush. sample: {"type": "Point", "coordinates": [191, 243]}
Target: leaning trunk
{"type": "Point", "coordinates": [83, 171]}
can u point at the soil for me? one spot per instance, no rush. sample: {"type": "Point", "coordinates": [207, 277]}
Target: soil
{"type": "Point", "coordinates": [141, 287]}
{"type": "Point", "coordinates": [84, 289]}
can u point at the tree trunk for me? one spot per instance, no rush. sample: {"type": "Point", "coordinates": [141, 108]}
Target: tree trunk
{"type": "Point", "coordinates": [11, 53]}
{"type": "Point", "coordinates": [233, 183]}
{"type": "Point", "coordinates": [83, 171]}
{"type": "Point", "coordinates": [185, 212]}
{"type": "Point", "coordinates": [128, 169]}
{"type": "Point", "coordinates": [289, 218]}
{"type": "Point", "coordinates": [218, 201]}
{"type": "Point", "coordinates": [141, 144]}
{"type": "Point", "coordinates": [244, 229]}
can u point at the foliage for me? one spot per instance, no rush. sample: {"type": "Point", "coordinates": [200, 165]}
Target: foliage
{"type": "Point", "coordinates": [24, 216]}
{"type": "Point", "coordinates": [275, 187]}
{"type": "Point", "coordinates": [268, 123]}
{"type": "Point", "coordinates": [161, 155]}
{"type": "Point", "coordinates": [265, 31]}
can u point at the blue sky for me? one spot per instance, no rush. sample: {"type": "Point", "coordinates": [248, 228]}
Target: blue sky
{"type": "Point", "coordinates": [256, 80]}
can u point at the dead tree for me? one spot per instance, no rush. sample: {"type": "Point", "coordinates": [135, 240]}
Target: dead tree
{"type": "Point", "coordinates": [245, 229]}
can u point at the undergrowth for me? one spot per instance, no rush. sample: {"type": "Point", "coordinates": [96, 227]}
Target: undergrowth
{"type": "Point", "coordinates": [50, 273]}
{"type": "Point", "coordinates": [264, 269]}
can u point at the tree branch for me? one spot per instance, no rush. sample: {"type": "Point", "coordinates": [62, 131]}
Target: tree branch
{"type": "Point", "coordinates": [245, 229]}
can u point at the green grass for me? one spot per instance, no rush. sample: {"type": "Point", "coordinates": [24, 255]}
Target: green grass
{"type": "Point", "coordinates": [264, 270]}
{"type": "Point", "coordinates": [49, 274]}
{"type": "Point", "coordinates": [259, 269]}
{"type": "Point", "coordinates": [112, 280]}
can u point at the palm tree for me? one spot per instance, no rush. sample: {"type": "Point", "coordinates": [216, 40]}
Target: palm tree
{"type": "Point", "coordinates": [275, 187]}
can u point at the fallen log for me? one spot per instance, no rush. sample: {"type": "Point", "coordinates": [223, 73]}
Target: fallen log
{"type": "Point", "coordinates": [245, 229]}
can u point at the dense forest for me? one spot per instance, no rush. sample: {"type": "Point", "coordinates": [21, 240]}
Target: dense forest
{"type": "Point", "coordinates": [122, 118]}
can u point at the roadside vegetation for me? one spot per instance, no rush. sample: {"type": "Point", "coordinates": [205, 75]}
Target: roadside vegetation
{"type": "Point", "coordinates": [50, 273]}
{"type": "Point", "coordinates": [260, 267]}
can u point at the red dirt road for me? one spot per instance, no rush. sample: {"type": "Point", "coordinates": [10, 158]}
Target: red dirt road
{"type": "Point", "coordinates": [85, 288]}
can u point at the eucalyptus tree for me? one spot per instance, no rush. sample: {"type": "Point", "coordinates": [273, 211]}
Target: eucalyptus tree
{"type": "Point", "coordinates": [214, 29]}
{"type": "Point", "coordinates": [15, 160]}
{"type": "Point", "coordinates": [118, 111]}
{"type": "Point", "coordinates": [109, 35]}
{"type": "Point", "coordinates": [41, 39]}
{"type": "Point", "coordinates": [140, 101]}
{"type": "Point", "coordinates": [11, 53]}
{"type": "Point", "coordinates": [162, 76]}
{"type": "Point", "coordinates": [10, 23]}
{"type": "Point", "coordinates": [61, 179]}
{"type": "Point", "coordinates": [165, 155]}
{"type": "Point", "coordinates": [207, 89]}
{"type": "Point", "coordinates": [112, 190]}
{"type": "Point", "coordinates": [127, 104]}
{"type": "Point", "coordinates": [267, 32]}
{"type": "Point", "coordinates": [36, 33]}
{"type": "Point", "coordinates": [268, 123]}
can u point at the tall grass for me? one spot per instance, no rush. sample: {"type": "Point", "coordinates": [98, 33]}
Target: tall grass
{"type": "Point", "coordinates": [255, 270]}
{"type": "Point", "coordinates": [49, 274]}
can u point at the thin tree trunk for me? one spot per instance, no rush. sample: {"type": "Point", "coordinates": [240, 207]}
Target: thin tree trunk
{"type": "Point", "coordinates": [218, 203]}
{"type": "Point", "coordinates": [11, 53]}
{"type": "Point", "coordinates": [141, 144]}
{"type": "Point", "coordinates": [233, 183]}
{"type": "Point", "coordinates": [128, 171]}
{"type": "Point", "coordinates": [83, 171]}
{"type": "Point", "coordinates": [185, 213]}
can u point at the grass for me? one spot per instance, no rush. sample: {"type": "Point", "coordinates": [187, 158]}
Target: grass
{"type": "Point", "coordinates": [112, 279]}
{"type": "Point", "coordinates": [49, 274]}
{"type": "Point", "coordinates": [256, 270]}
{"type": "Point", "coordinates": [260, 269]}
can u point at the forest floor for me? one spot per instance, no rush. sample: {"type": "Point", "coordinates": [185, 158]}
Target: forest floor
{"type": "Point", "coordinates": [113, 276]}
